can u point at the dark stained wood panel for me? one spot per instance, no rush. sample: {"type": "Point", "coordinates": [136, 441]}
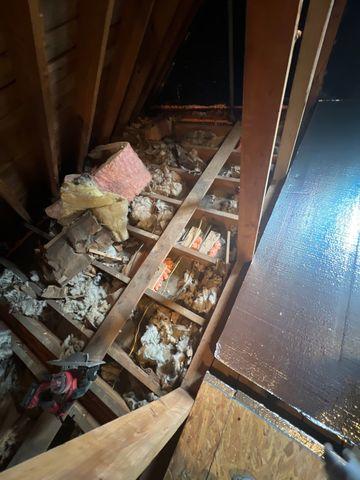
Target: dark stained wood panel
{"type": "Point", "coordinates": [294, 330]}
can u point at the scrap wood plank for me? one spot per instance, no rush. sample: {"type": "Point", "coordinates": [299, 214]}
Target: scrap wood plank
{"type": "Point", "coordinates": [228, 435]}
{"type": "Point", "coordinates": [122, 309]}
{"type": "Point", "coordinates": [134, 18]}
{"type": "Point", "coordinates": [23, 23]}
{"type": "Point", "coordinates": [270, 26]}
{"type": "Point", "coordinates": [93, 21]}
{"type": "Point", "coordinates": [317, 20]}
{"type": "Point", "coordinates": [121, 449]}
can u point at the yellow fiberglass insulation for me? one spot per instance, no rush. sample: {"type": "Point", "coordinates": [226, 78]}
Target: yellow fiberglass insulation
{"type": "Point", "coordinates": [82, 193]}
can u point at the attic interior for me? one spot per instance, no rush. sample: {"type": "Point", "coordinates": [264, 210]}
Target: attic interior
{"type": "Point", "coordinates": [180, 276]}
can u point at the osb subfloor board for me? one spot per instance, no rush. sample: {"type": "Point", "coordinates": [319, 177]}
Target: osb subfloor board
{"type": "Point", "coordinates": [228, 435]}
{"type": "Point", "coordinates": [294, 330]}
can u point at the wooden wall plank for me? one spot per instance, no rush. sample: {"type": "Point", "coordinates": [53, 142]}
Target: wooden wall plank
{"type": "Point", "coordinates": [134, 18]}
{"type": "Point", "coordinates": [23, 24]}
{"type": "Point", "coordinates": [316, 24]}
{"type": "Point", "coordinates": [93, 29]}
{"type": "Point", "coordinates": [270, 27]}
{"type": "Point", "coordinates": [121, 449]}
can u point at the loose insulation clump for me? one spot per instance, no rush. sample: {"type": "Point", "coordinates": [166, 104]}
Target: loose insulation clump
{"type": "Point", "coordinates": [71, 345]}
{"type": "Point", "coordinates": [165, 182]}
{"type": "Point", "coordinates": [20, 295]}
{"type": "Point", "coordinates": [199, 287]}
{"type": "Point", "coordinates": [86, 300]}
{"type": "Point", "coordinates": [150, 214]}
{"type": "Point", "coordinates": [167, 347]}
{"type": "Point", "coordinates": [134, 401]}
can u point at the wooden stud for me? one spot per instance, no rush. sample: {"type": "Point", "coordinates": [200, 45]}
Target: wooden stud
{"type": "Point", "coordinates": [174, 35]}
{"type": "Point", "coordinates": [7, 194]}
{"type": "Point", "coordinates": [94, 19]}
{"type": "Point", "coordinates": [121, 449]}
{"type": "Point", "coordinates": [23, 23]}
{"type": "Point", "coordinates": [204, 354]}
{"type": "Point", "coordinates": [317, 20]}
{"type": "Point", "coordinates": [327, 46]}
{"type": "Point", "coordinates": [161, 16]}
{"type": "Point", "coordinates": [122, 309]}
{"type": "Point", "coordinates": [134, 18]}
{"type": "Point", "coordinates": [269, 28]}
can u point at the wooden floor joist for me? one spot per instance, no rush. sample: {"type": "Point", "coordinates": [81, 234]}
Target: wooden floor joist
{"type": "Point", "coordinates": [47, 344]}
{"type": "Point", "coordinates": [121, 449]}
{"type": "Point", "coordinates": [122, 309]}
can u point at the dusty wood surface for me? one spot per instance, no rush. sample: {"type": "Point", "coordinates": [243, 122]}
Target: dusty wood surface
{"type": "Point", "coordinates": [270, 26]}
{"type": "Point", "coordinates": [121, 449]}
{"type": "Point", "coordinates": [228, 435]}
{"type": "Point", "coordinates": [317, 20]}
{"type": "Point", "coordinates": [295, 327]}
{"type": "Point", "coordinates": [121, 310]}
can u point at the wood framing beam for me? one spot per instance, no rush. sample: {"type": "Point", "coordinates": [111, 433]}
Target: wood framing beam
{"type": "Point", "coordinates": [121, 449]}
{"type": "Point", "coordinates": [134, 18]}
{"type": "Point", "coordinates": [8, 195]}
{"type": "Point", "coordinates": [125, 305]}
{"type": "Point", "coordinates": [161, 16]}
{"type": "Point", "coordinates": [175, 34]}
{"type": "Point", "coordinates": [94, 19]}
{"type": "Point", "coordinates": [316, 24]}
{"type": "Point", "coordinates": [270, 27]}
{"type": "Point", "coordinates": [22, 21]}
{"type": "Point", "coordinates": [327, 46]}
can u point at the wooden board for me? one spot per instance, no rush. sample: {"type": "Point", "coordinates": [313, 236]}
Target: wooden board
{"type": "Point", "coordinates": [317, 20]}
{"type": "Point", "coordinates": [228, 435]}
{"type": "Point", "coordinates": [121, 449]}
{"type": "Point", "coordinates": [93, 30]}
{"type": "Point", "coordinates": [294, 330]}
{"type": "Point", "coordinates": [270, 27]}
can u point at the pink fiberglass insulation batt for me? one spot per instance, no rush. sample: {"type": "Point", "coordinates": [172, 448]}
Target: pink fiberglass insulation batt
{"type": "Point", "coordinates": [123, 173]}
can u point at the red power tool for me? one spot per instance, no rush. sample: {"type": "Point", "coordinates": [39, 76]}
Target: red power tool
{"type": "Point", "coordinates": [58, 391]}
